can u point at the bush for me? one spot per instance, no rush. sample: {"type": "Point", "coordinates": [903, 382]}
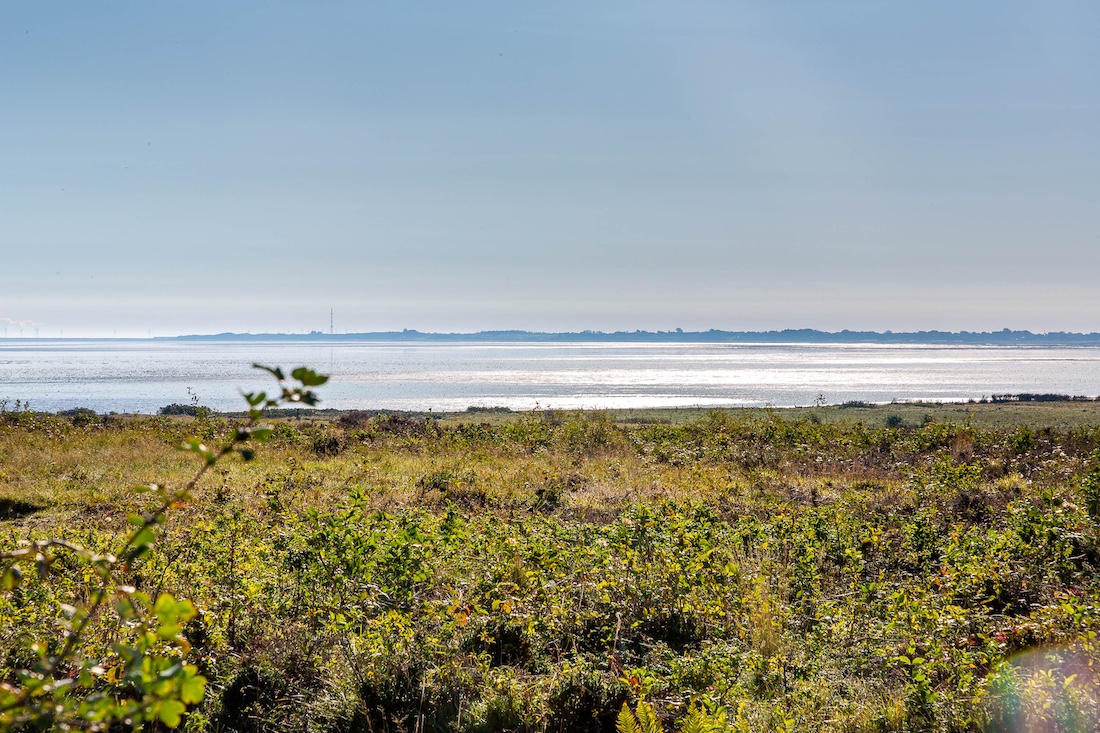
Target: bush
{"type": "Point", "coordinates": [139, 675]}
{"type": "Point", "coordinates": [326, 445]}
{"type": "Point", "coordinates": [177, 409]}
{"type": "Point", "coordinates": [81, 416]}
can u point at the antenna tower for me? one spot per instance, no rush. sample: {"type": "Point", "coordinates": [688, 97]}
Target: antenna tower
{"type": "Point", "coordinates": [330, 331]}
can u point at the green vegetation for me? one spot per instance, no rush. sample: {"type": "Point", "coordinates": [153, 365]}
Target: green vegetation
{"type": "Point", "coordinates": [1067, 413]}
{"type": "Point", "coordinates": [139, 677]}
{"type": "Point", "coordinates": [735, 571]}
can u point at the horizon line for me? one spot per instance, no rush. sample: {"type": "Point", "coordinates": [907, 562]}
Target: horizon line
{"type": "Point", "coordinates": [786, 335]}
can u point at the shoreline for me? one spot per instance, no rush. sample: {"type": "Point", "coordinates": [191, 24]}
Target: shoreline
{"type": "Point", "coordinates": [1055, 414]}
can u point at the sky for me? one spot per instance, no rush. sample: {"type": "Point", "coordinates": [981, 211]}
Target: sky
{"type": "Point", "coordinates": [201, 167]}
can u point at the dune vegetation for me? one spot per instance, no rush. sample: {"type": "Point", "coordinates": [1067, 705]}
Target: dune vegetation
{"type": "Point", "coordinates": [551, 571]}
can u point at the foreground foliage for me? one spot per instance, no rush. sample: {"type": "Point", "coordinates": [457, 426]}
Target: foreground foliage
{"type": "Point", "coordinates": [137, 674]}
{"type": "Point", "coordinates": [559, 572]}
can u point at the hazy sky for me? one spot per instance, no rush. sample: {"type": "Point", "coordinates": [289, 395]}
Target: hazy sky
{"type": "Point", "coordinates": [208, 166]}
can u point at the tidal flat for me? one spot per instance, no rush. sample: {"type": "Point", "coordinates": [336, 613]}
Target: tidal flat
{"type": "Point", "coordinates": [844, 568]}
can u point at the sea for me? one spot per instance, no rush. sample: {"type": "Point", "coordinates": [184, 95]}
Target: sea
{"type": "Point", "coordinates": [143, 375]}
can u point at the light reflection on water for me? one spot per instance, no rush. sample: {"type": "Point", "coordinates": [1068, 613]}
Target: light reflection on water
{"type": "Point", "coordinates": [141, 376]}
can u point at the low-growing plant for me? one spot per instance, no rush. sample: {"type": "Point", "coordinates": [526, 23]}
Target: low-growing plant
{"type": "Point", "coordinates": [740, 572]}
{"type": "Point", "coordinates": [143, 677]}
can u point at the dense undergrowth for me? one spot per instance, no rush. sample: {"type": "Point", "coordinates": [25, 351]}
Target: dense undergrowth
{"type": "Point", "coordinates": [742, 574]}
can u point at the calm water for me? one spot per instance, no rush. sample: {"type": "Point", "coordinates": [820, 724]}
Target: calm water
{"type": "Point", "coordinates": [141, 376]}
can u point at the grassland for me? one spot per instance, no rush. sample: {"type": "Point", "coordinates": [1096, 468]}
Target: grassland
{"type": "Point", "coordinates": [732, 570]}
{"type": "Point", "coordinates": [1059, 414]}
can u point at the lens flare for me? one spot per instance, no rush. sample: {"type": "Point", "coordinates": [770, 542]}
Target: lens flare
{"type": "Point", "coordinates": [1048, 690]}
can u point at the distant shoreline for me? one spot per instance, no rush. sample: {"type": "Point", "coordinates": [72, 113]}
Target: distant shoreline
{"type": "Point", "coordinates": [1005, 337]}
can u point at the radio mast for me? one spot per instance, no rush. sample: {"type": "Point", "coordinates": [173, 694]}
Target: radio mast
{"type": "Point", "coordinates": [330, 331]}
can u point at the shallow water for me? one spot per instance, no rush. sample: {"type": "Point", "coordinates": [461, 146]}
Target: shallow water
{"type": "Point", "coordinates": [143, 375]}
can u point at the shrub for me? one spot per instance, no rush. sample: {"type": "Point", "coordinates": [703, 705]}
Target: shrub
{"type": "Point", "coordinates": [177, 409]}
{"type": "Point", "coordinates": [81, 416]}
{"type": "Point", "coordinates": [326, 444]}
{"type": "Point", "coordinates": [142, 678]}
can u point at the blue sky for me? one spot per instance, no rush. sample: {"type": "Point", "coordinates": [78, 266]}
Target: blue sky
{"type": "Point", "coordinates": [193, 167]}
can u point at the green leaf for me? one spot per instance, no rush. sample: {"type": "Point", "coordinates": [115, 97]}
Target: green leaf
{"type": "Point", "coordinates": [170, 712]}
{"type": "Point", "coordinates": [273, 371]}
{"type": "Point", "coordinates": [12, 577]}
{"type": "Point", "coordinates": [193, 686]}
{"type": "Point", "coordinates": [171, 611]}
{"type": "Point", "coordinates": [647, 718]}
{"type": "Point", "coordinates": [308, 377]}
{"type": "Point", "coordinates": [626, 723]}
{"type": "Point", "coordinates": [255, 399]}
{"type": "Point", "coordinates": [145, 537]}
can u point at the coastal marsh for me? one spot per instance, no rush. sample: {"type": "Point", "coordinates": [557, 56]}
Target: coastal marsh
{"type": "Point", "coordinates": [754, 570]}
